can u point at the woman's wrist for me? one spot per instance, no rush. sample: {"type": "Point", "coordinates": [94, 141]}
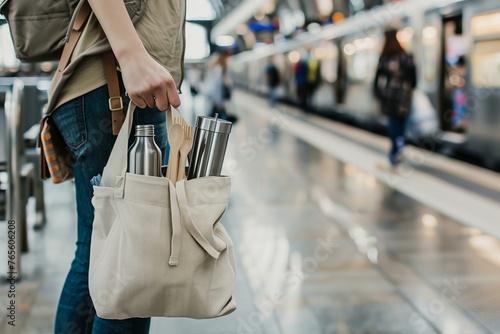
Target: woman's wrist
{"type": "Point", "coordinates": [120, 31]}
{"type": "Point", "coordinates": [126, 54]}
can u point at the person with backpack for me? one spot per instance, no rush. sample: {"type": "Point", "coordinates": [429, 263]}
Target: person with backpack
{"type": "Point", "coordinates": [149, 56]}
{"type": "Point", "coordinates": [272, 81]}
{"type": "Point", "coordinates": [300, 73]}
{"type": "Point", "coordinates": [394, 83]}
{"type": "Point", "coordinates": [313, 79]}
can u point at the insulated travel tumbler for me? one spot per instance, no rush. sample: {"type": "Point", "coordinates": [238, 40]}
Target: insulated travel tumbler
{"type": "Point", "coordinates": [209, 146]}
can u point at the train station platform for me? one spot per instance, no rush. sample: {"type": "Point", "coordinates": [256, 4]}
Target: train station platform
{"type": "Point", "coordinates": [328, 238]}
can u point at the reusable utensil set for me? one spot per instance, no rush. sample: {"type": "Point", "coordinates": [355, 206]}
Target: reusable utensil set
{"type": "Point", "coordinates": [180, 137]}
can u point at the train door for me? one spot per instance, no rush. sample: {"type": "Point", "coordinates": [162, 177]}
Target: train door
{"type": "Point", "coordinates": [442, 74]}
{"type": "Point", "coordinates": [453, 88]}
{"type": "Point", "coordinates": [326, 54]}
{"type": "Point", "coordinates": [483, 19]}
{"type": "Point", "coordinates": [340, 86]}
{"type": "Point", "coordinates": [361, 53]}
{"type": "Point", "coordinates": [429, 60]}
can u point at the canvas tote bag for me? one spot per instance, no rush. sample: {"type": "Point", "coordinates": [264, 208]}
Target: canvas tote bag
{"type": "Point", "coordinates": [159, 249]}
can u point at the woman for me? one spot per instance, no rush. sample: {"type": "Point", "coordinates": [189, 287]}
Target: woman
{"type": "Point", "coordinates": [393, 86]}
{"type": "Point", "coordinates": [218, 89]}
{"type": "Point", "coordinates": [219, 86]}
{"type": "Point", "coordinates": [150, 56]}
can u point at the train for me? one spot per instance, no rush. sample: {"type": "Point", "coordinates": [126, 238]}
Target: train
{"type": "Point", "coordinates": [456, 46]}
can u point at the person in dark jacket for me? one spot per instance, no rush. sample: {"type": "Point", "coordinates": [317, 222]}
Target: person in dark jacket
{"type": "Point", "coordinates": [273, 81]}
{"type": "Point", "coordinates": [394, 84]}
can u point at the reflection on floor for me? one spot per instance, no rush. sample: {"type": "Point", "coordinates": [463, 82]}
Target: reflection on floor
{"type": "Point", "coordinates": [321, 247]}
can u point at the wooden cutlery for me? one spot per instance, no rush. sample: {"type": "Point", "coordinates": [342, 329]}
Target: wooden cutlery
{"type": "Point", "coordinates": [180, 137]}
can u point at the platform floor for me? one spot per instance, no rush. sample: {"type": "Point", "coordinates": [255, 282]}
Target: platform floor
{"type": "Point", "coordinates": [322, 247]}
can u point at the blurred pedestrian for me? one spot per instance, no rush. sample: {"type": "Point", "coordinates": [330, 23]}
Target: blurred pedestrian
{"type": "Point", "coordinates": [459, 96]}
{"type": "Point", "coordinates": [219, 85]}
{"type": "Point", "coordinates": [394, 83]}
{"type": "Point", "coordinates": [313, 79]}
{"type": "Point", "coordinates": [300, 72]}
{"type": "Point", "coordinates": [273, 81]}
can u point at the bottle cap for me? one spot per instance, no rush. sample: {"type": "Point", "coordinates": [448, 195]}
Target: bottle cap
{"type": "Point", "coordinates": [145, 130]}
{"type": "Point", "coordinates": [213, 124]}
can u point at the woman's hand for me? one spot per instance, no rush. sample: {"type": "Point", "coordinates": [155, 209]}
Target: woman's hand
{"type": "Point", "coordinates": [148, 83]}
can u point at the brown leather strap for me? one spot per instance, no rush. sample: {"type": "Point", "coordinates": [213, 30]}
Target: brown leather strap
{"type": "Point", "coordinates": [115, 101]}
{"type": "Point", "coordinates": [76, 32]}
{"type": "Point", "coordinates": [69, 47]}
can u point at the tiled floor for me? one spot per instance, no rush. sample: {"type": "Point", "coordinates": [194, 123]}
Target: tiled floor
{"type": "Point", "coordinates": [322, 248]}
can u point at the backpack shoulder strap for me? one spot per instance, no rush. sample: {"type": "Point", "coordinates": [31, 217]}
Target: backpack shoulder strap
{"type": "Point", "coordinates": [109, 65]}
{"type": "Point", "coordinates": [76, 32]}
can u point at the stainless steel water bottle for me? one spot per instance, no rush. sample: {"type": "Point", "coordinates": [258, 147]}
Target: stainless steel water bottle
{"type": "Point", "coordinates": [209, 146]}
{"type": "Point", "coordinates": [144, 156]}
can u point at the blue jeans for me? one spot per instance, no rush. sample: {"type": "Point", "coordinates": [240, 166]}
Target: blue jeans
{"type": "Point", "coordinates": [85, 124]}
{"type": "Point", "coordinates": [272, 97]}
{"type": "Point", "coordinates": [396, 133]}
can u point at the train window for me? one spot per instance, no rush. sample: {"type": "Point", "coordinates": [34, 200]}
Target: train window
{"type": "Point", "coordinates": [362, 57]}
{"type": "Point", "coordinates": [430, 41]}
{"type": "Point", "coordinates": [7, 54]}
{"type": "Point", "coordinates": [197, 46]}
{"type": "Point", "coordinates": [200, 10]}
{"type": "Point", "coordinates": [455, 43]}
{"type": "Point", "coordinates": [485, 69]}
{"type": "Point", "coordinates": [327, 53]}
{"type": "Point", "coordinates": [485, 24]}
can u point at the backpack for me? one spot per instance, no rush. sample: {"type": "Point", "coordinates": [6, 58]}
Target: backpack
{"type": "Point", "coordinates": [49, 30]}
{"type": "Point", "coordinates": [381, 83]}
{"type": "Point", "coordinates": [40, 28]}
{"type": "Point", "coordinates": [392, 75]}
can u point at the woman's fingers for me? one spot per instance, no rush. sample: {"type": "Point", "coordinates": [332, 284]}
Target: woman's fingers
{"type": "Point", "coordinates": [167, 95]}
{"type": "Point", "coordinates": [173, 95]}
{"type": "Point", "coordinates": [150, 100]}
{"type": "Point", "coordinates": [162, 101]}
{"type": "Point", "coordinates": [138, 101]}
{"type": "Point", "coordinates": [150, 84]}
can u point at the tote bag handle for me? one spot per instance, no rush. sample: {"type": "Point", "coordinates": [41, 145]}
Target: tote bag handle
{"type": "Point", "coordinates": [114, 172]}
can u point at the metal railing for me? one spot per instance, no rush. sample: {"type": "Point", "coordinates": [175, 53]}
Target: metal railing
{"type": "Point", "coordinates": [20, 163]}
{"type": "Point", "coordinates": [14, 210]}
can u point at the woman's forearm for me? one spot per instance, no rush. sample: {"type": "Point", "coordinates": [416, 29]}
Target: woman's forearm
{"type": "Point", "coordinates": [115, 22]}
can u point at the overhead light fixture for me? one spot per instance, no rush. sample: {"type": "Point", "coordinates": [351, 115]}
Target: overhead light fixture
{"type": "Point", "coordinates": [200, 10]}
{"type": "Point", "coordinates": [197, 46]}
{"type": "Point", "coordinates": [294, 57]}
{"type": "Point", "coordinates": [268, 7]}
{"type": "Point", "coordinates": [259, 16]}
{"type": "Point", "coordinates": [314, 28]}
{"type": "Point", "coordinates": [325, 7]}
{"type": "Point", "coordinates": [300, 18]}
{"type": "Point", "coordinates": [242, 13]}
{"type": "Point", "coordinates": [338, 17]}
{"type": "Point", "coordinates": [224, 40]}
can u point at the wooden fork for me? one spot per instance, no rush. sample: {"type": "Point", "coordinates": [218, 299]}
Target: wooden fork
{"type": "Point", "coordinates": [185, 148]}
